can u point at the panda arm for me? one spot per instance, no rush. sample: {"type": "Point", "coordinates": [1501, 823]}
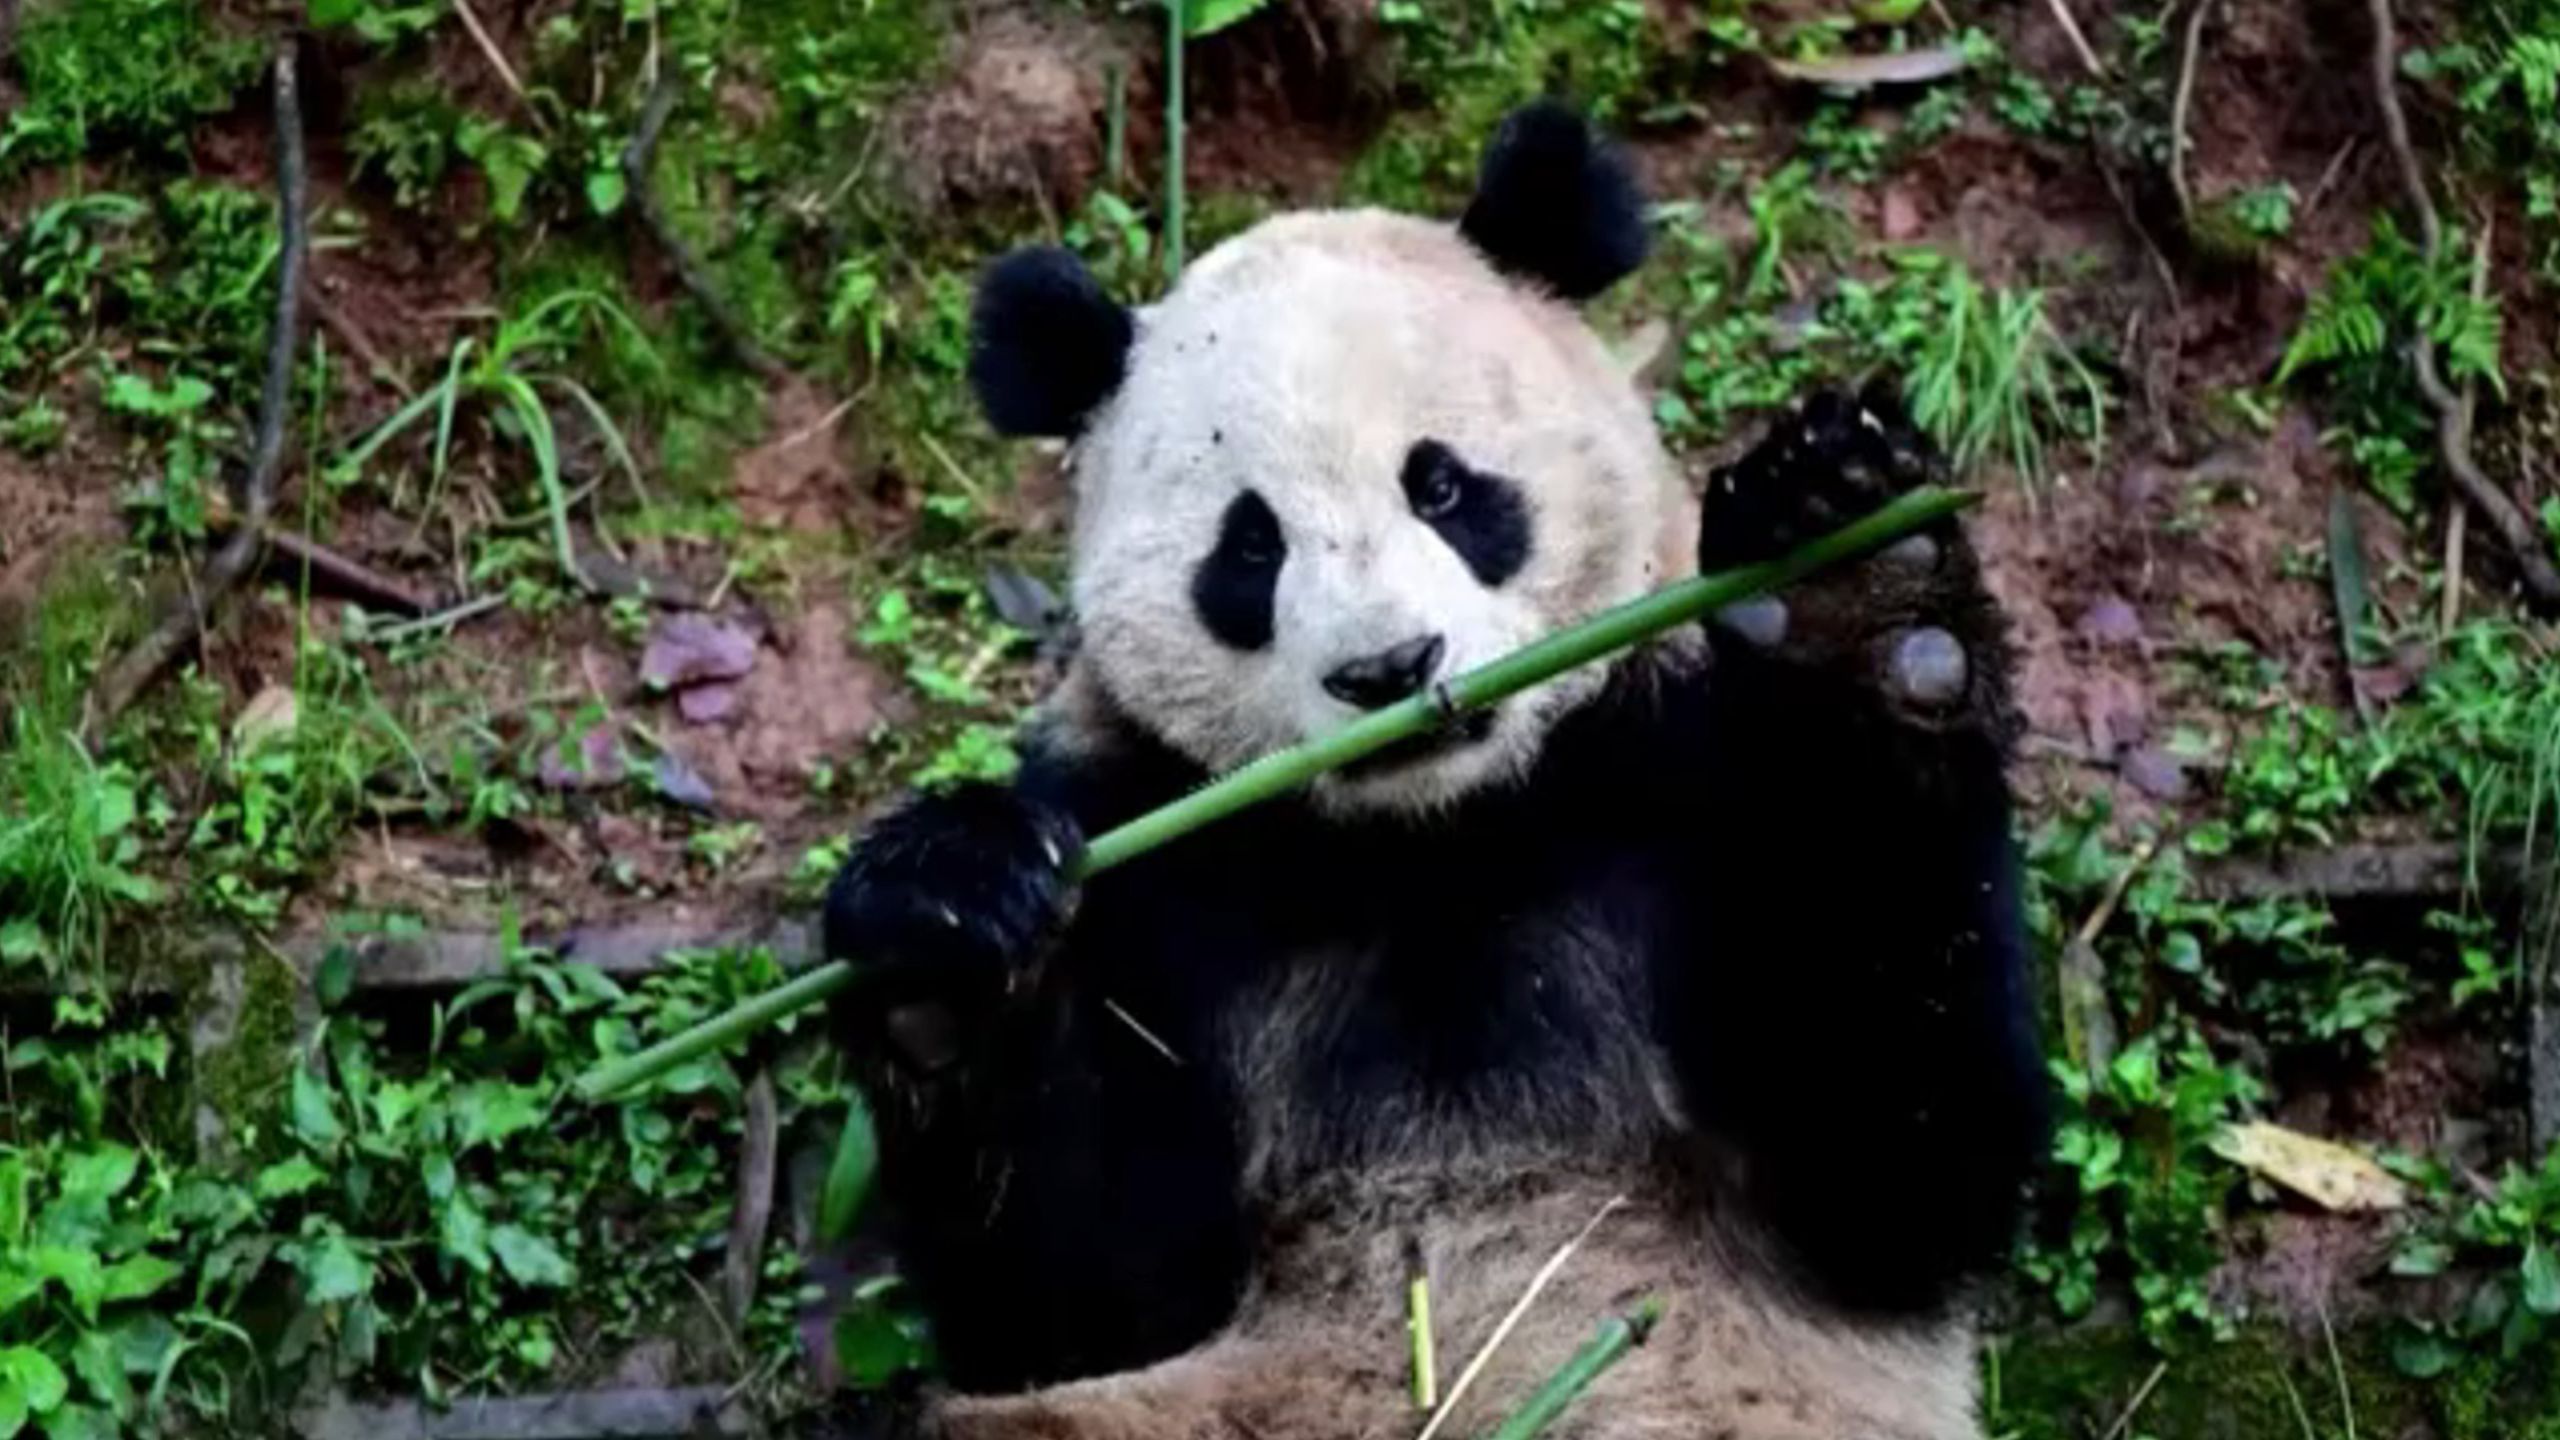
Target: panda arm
{"type": "Point", "coordinates": [1850, 1012]}
{"type": "Point", "coordinates": [1061, 1195]}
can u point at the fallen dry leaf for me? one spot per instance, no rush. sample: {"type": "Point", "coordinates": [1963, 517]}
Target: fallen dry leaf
{"type": "Point", "coordinates": [2320, 1170]}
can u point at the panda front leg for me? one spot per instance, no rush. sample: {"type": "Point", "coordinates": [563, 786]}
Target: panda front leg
{"type": "Point", "coordinates": [1853, 1023]}
{"type": "Point", "coordinates": [1062, 1202]}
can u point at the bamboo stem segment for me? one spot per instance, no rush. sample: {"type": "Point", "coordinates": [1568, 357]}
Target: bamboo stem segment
{"type": "Point", "coordinates": [1617, 1335]}
{"type": "Point", "coordinates": [1285, 770]}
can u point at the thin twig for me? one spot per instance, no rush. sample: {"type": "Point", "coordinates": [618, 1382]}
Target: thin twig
{"type": "Point", "coordinates": [2449, 604]}
{"type": "Point", "coordinates": [2140, 1397]}
{"type": "Point", "coordinates": [348, 574]}
{"type": "Point", "coordinates": [353, 337]}
{"type": "Point", "coordinates": [2329, 175]}
{"type": "Point", "coordinates": [636, 161]}
{"type": "Point", "coordinates": [498, 62]}
{"type": "Point", "coordinates": [2070, 27]}
{"type": "Point", "coordinates": [2449, 607]}
{"type": "Point", "coordinates": [2178, 109]}
{"type": "Point", "coordinates": [2453, 418]}
{"type": "Point", "coordinates": [1528, 1296]}
{"type": "Point", "coordinates": [184, 623]}
{"type": "Point", "coordinates": [754, 1214]}
{"type": "Point", "coordinates": [441, 620]}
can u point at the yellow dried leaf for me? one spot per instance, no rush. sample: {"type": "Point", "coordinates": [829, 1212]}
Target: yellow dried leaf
{"type": "Point", "coordinates": [2322, 1171]}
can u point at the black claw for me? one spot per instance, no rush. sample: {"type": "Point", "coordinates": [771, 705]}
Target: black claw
{"type": "Point", "coordinates": [953, 893]}
{"type": "Point", "coordinates": [1834, 459]}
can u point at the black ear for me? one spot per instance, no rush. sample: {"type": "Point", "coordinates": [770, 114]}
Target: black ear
{"type": "Point", "coordinates": [1046, 345]}
{"type": "Point", "coordinates": [1556, 203]}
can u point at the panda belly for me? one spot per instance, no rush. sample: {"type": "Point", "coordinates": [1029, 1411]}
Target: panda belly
{"type": "Point", "coordinates": [1319, 1350]}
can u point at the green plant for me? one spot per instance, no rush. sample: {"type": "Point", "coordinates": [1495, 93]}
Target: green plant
{"type": "Point", "coordinates": [2136, 1141]}
{"type": "Point", "coordinates": [508, 374]}
{"type": "Point", "coordinates": [103, 72]}
{"type": "Point", "coordinates": [53, 272]}
{"type": "Point", "coordinates": [2511, 1234]}
{"type": "Point", "coordinates": [70, 832]}
{"type": "Point", "coordinates": [294, 773]}
{"type": "Point", "coordinates": [2506, 62]}
{"type": "Point", "coordinates": [1986, 373]}
{"type": "Point", "coordinates": [408, 136]}
{"type": "Point", "coordinates": [172, 507]}
{"type": "Point", "coordinates": [431, 1217]}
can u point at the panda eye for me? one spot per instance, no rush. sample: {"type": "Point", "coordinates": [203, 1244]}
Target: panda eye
{"type": "Point", "coordinates": [1434, 481]}
{"type": "Point", "coordinates": [1483, 517]}
{"type": "Point", "coordinates": [1253, 534]}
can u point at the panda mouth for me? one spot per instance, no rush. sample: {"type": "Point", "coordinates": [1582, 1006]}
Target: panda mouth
{"type": "Point", "coordinates": [1470, 729]}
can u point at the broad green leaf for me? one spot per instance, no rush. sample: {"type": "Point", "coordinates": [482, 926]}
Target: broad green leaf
{"type": "Point", "coordinates": [489, 1111]}
{"type": "Point", "coordinates": [96, 1359]}
{"type": "Point", "coordinates": [99, 1174]}
{"type": "Point", "coordinates": [333, 1270]}
{"type": "Point", "coordinates": [75, 1269]}
{"type": "Point", "coordinates": [81, 1422]}
{"type": "Point", "coordinates": [1208, 17]}
{"type": "Point", "coordinates": [136, 1276]}
{"type": "Point", "coordinates": [849, 1177]}
{"type": "Point", "coordinates": [326, 13]}
{"type": "Point", "coordinates": [2422, 1354]}
{"type": "Point", "coordinates": [21, 942]}
{"type": "Point", "coordinates": [32, 1374]}
{"type": "Point", "coordinates": [394, 1101]}
{"type": "Point", "coordinates": [466, 1234]}
{"type": "Point", "coordinates": [290, 1177]}
{"type": "Point", "coordinates": [13, 1198]}
{"type": "Point", "coordinates": [313, 1119]}
{"type": "Point", "coordinates": [875, 1343]}
{"type": "Point", "coordinates": [2541, 1271]}
{"type": "Point", "coordinates": [2422, 1257]}
{"type": "Point", "coordinates": [605, 190]}
{"type": "Point", "coordinates": [528, 1257]}
{"type": "Point", "coordinates": [335, 978]}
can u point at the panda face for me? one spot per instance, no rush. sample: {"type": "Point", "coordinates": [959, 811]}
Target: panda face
{"type": "Point", "coordinates": [1348, 459]}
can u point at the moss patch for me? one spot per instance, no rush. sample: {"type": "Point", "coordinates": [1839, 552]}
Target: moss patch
{"type": "Point", "coordinates": [2262, 1385]}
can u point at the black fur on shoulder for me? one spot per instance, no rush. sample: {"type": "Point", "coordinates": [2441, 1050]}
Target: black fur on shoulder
{"type": "Point", "coordinates": [1047, 345]}
{"type": "Point", "coordinates": [1556, 203]}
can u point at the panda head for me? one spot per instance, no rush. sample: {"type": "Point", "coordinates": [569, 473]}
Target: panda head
{"type": "Point", "coordinates": [1350, 455]}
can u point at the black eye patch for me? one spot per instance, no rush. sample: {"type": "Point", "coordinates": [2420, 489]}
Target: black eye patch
{"type": "Point", "coordinates": [1232, 589]}
{"type": "Point", "coordinates": [1481, 516]}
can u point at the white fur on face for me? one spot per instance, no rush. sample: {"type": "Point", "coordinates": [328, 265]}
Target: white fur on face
{"type": "Point", "coordinates": [1303, 360]}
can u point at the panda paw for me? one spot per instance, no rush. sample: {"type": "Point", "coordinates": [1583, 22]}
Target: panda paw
{"type": "Point", "coordinates": [1913, 617]}
{"type": "Point", "coordinates": [951, 901]}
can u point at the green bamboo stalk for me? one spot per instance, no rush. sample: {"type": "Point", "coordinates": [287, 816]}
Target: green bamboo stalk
{"type": "Point", "coordinates": [1285, 770]}
{"type": "Point", "coordinates": [1177, 24]}
{"type": "Point", "coordinates": [1617, 1335]}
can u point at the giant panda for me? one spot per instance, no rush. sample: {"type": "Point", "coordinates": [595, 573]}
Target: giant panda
{"type": "Point", "coordinates": [1711, 956]}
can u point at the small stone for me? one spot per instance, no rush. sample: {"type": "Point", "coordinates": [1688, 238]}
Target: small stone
{"type": "Point", "coordinates": [2110, 620]}
{"type": "Point", "coordinates": [1929, 667]}
{"type": "Point", "coordinates": [702, 704]}
{"type": "Point", "coordinates": [1912, 552]}
{"type": "Point", "coordinates": [682, 783]}
{"type": "Point", "coordinates": [2154, 772]}
{"type": "Point", "coordinates": [1901, 218]}
{"type": "Point", "coordinates": [690, 647]}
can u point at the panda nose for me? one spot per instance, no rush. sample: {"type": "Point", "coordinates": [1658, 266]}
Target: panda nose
{"type": "Point", "coordinates": [1375, 681]}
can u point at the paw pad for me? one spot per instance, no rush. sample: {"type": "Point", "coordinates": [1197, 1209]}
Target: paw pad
{"type": "Point", "coordinates": [1928, 666]}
